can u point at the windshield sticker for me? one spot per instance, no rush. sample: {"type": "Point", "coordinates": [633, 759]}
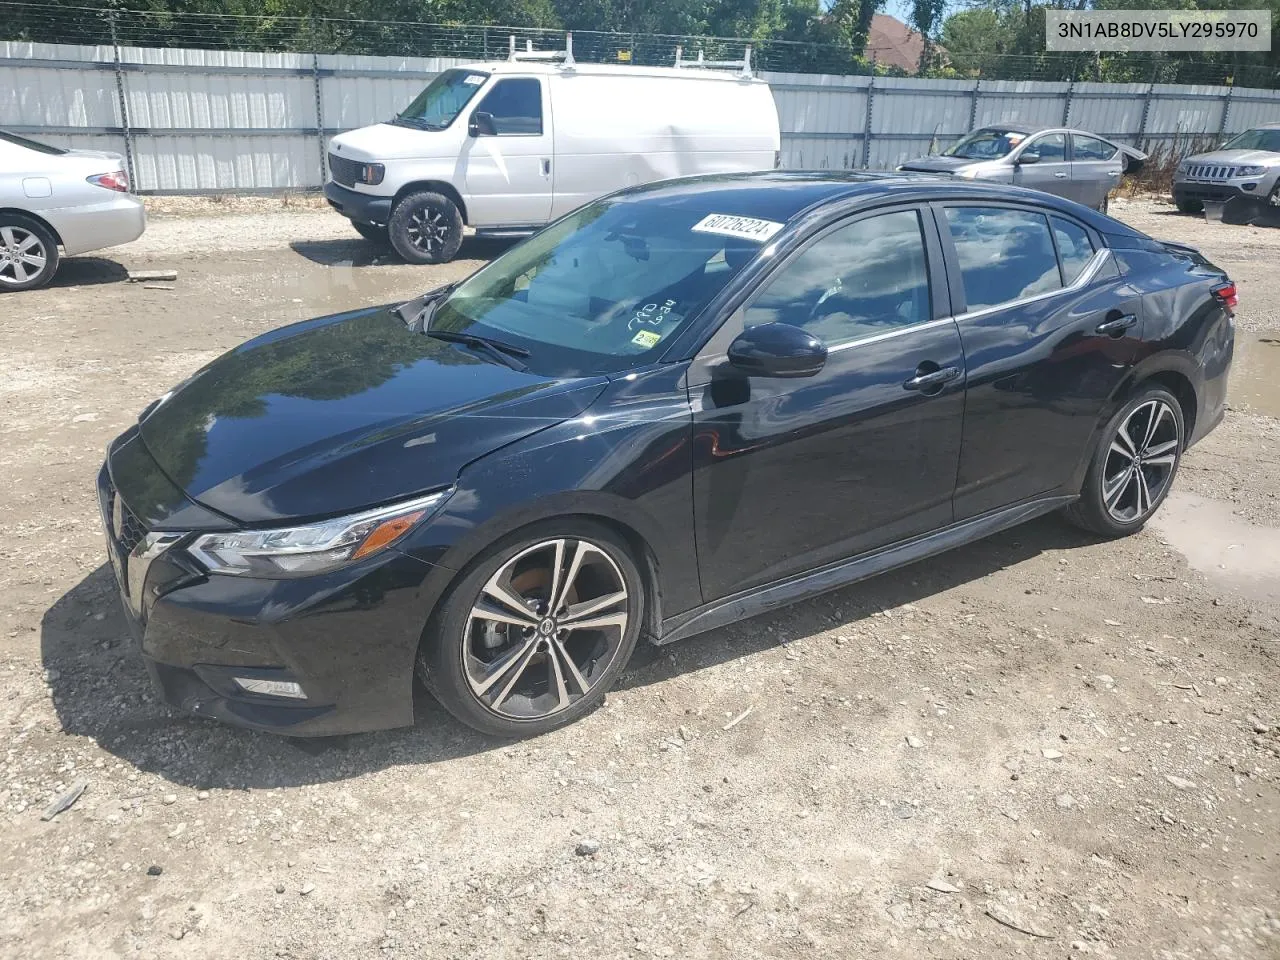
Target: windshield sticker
{"type": "Point", "coordinates": [646, 339]}
{"type": "Point", "coordinates": [474, 79]}
{"type": "Point", "coordinates": [745, 228]}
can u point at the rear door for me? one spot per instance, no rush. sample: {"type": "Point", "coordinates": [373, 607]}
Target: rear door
{"type": "Point", "coordinates": [508, 166]}
{"type": "Point", "coordinates": [1052, 173]}
{"type": "Point", "coordinates": [1096, 166]}
{"type": "Point", "coordinates": [790, 474]}
{"type": "Point", "coordinates": [1050, 329]}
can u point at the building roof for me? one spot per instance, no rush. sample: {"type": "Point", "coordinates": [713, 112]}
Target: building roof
{"type": "Point", "coordinates": [893, 43]}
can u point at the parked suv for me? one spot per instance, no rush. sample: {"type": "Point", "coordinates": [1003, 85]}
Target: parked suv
{"type": "Point", "coordinates": [1247, 165]}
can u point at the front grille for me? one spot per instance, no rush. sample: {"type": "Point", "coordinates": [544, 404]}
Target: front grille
{"type": "Point", "coordinates": [125, 528]}
{"type": "Point", "coordinates": [344, 171]}
{"type": "Point", "coordinates": [1210, 171]}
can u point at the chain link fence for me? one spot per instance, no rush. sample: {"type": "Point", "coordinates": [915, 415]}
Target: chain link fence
{"type": "Point", "coordinates": [55, 23]}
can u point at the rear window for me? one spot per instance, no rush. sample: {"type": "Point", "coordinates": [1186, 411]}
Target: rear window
{"type": "Point", "coordinates": [1091, 148]}
{"type": "Point", "coordinates": [31, 144]}
{"type": "Point", "coordinates": [1004, 254]}
{"type": "Point", "coordinates": [1075, 249]}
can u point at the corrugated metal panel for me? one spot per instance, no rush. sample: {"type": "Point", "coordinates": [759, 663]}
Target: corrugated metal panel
{"type": "Point", "coordinates": [887, 154]}
{"type": "Point", "coordinates": [1112, 109]}
{"type": "Point", "coordinates": [821, 153]}
{"type": "Point", "coordinates": [1262, 106]}
{"type": "Point", "coordinates": [226, 162]}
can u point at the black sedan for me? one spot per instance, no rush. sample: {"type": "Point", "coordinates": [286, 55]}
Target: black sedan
{"type": "Point", "coordinates": [677, 407]}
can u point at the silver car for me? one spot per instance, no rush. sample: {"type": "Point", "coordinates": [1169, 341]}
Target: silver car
{"type": "Point", "coordinates": [78, 200]}
{"type": "Point", "coordinates": [1247, 165]}
{"type": "Point", "coordinates": [1071, 163]}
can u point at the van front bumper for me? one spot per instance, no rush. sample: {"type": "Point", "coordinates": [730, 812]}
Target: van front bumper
{"type": "Point", "coordinates": [357, 206]}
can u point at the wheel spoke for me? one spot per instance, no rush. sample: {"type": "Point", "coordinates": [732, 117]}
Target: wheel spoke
{"type": "Point", "coordinates": [31, 241]}
{"type": "Point", "coordinates": [499, 591]}
{"type": "Point", "coordinates": [557, 677]}
{"type": "Point", "coordinates": [575, 614]}
{"type": "Point", "coordinates": [595, 623]}
{"type": "Point", "coordinates": [1117, 447]}
{"type": "Point", "coordinates": [1115, 488]}
{"type": "Point", "coordinates": [510, 664]}
{"type": "Point", "coordinates": [1126, 441]}
{"type": "Point", "coordinates": [1158, 413]}
{"type": "Point", "coordinates": [1167, 460]}
{"type": "Point", "coordinates": [1144, 493]}
{"type": "Point", "coordinates": [6, 234]}
{"type": "Point", "coordinates": [557, 575]}
{"type": "Point", "coordinates": [1160, 449]}
{"type": "Point", "coordinates": [19, 271]}
{"type": "Point", "coordinates": [32, 260]}
{"type": "Point", "coordinates": [560, 653]}
{"type": "Point", "coordinates": [581, 549]}
{"type": "Point", "coordinates": [486, 611]}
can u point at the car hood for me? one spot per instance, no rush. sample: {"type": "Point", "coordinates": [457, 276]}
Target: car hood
{"type": "Point", "coordinates": [337, 414]}
{"type": "Point", "coordinates": [938, 164]}
{"type": "Point", "coordinates": [1237, 157]}
{"type": "Point", "coordinates": [390, 141]}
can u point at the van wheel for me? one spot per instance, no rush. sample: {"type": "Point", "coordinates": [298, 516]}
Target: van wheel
{"type": "Point", "coordinates": [28, 253]}
{"type": "Point", "coordinates": [426, 227]}
{"type": "Point", "coordinates": [371, 231]}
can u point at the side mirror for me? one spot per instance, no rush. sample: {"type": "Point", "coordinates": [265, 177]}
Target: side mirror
{"type": "Point", "coordinates": [1029, 157]}
{"type": "Point", "coordinates": [777, 350]}
{"type": "Point", "coordinates": [482, 125]}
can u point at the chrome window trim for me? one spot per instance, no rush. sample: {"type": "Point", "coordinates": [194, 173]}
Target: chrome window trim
{"type": "Point", "coordinates": [889, 334]}
{"type": "Point", "coordinates": [1086, 277]}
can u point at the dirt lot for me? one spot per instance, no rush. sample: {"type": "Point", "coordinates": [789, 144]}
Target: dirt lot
{"type": "Point", "coordinates": [1040, 745]}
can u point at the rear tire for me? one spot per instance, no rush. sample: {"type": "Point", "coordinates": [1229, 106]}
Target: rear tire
{"type": "Point", "coordinates": [426, 227]}
{"type": "Point", "coordinates": [1133, 466]}
{"type": "Point", "coordinates": [1189, 206]}
{"type": "Point", "coordinates": [371, 232]}
{"type": "Point", "coordinates": [507, 658]}
{"type": "Point", "coordinates": [28, 253]}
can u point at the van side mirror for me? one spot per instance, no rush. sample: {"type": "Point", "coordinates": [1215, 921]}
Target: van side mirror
{"type": "Point", "coordinates": [482, 125]}
{"type": "Point", "coordinates": [777, 350]}
{"type": "Point", "coordinates": [1029, 157]}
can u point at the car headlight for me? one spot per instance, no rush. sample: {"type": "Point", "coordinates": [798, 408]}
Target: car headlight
{"type": "Point", "coordinates": [372, 173]}
{"type": "Point", "coordinates": [313, 547]}
{"type": "Point", "coordinates": [1250, 171]}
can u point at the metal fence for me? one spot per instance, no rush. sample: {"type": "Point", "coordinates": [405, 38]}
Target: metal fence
{"type": "Point", "coordinates": [201, 120]}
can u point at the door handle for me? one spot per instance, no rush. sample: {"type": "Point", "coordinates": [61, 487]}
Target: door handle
{"type": "Point", "coordinates": [546, 166]}
{"type": "Point", "coordinates": [930, 379]}
{"type": "Point", "coordinates": [1117, 326]}
{"type": "Point", "coordinates": [1060, 176]}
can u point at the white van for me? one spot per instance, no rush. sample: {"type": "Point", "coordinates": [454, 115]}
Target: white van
{"type": "Point", "coordinates": [506, 147]}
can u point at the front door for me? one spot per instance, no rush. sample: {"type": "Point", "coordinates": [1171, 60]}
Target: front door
{"type": "Point", "coordinates": [1052, 172]}
{"type": "Point", "coordinates": [1050, 330]}
{"type": "Point", "coordinates": [508, 158]}
{"type": "Point", "coordinates": [790, 474]}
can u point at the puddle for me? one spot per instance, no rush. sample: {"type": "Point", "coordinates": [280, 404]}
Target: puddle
{"type": "Point", "coordinates": [1220, 545]}
{"type": "Point", "coordinates": [1255, 373]}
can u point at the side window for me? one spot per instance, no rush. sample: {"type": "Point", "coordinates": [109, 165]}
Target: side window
{"type": "Point", "coordinates": [1091, 148]}
{"type": "Point", "coordinates": [1052, 147]}
{"type": "Point", "coordinates": [1004, 254]}
{"type": "Point", "coordinates": [857, 281]}
{"type": "Point", "coordinates": [1075, 249]}
{"type": "Point", "coordinates": [516, 106]}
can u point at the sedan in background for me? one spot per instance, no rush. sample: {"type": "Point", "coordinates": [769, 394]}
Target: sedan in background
{"type": "Point", "coordinates": [1246, 166]}
{"type": "Point", "coordinates": [78, 200]}
{"type": "Point", "coordinates": [681, 405]}
{"type": "Point", "coordinates": [1074, 164]}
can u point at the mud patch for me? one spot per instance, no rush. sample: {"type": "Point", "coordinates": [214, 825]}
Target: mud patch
{"type": "Point", "coordinates": [1222, 546]}
{"type": "Point", "coordinates": [1256, 373]}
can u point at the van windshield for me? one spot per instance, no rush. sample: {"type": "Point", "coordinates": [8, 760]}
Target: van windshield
{"type": "Point", "coordinates": [607, 288]}
{"type": "Point", "coordinates": [443, 99]}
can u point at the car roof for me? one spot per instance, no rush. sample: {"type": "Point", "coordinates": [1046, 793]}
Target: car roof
{"type": "Point", "coordinates": [543, 68]}
{"type": "Point", "coordinates": [789, 197]}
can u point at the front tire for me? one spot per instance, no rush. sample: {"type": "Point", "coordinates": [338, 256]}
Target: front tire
{"type": "Point", "coordinates": [1133, 466]}
{"type": "Point", "coordinates": [371, 232]}
{"type": "Point", "coordinates": [536, 630]}
{"type": "Point", "coordinates": [1189, 206]}
{"type": "Point", "coordinates": [426, 227]}
{"type": "Point", "coordinates": [28, 253]}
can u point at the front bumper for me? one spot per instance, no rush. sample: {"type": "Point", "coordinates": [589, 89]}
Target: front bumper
{"type": "Point", "coordinates": [1223, 191]}
{"type": "Point", "coordinates": [349, 637]}
{"type": "Point", "coordinates": [357, 206]}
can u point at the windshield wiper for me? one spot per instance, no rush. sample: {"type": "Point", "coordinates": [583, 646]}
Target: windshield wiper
{"type": "Point", "coordinates": [400, 120]}
{"type": "Point", "coordinates": [507, 353]}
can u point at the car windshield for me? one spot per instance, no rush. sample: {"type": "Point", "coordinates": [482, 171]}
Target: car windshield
{"type": "Point", "coordinates": [442, 100]}
{"type": "Point", "coordinates": [608, 287]}
{"type": "Point", "coordinates": [31, 144]}
{"type": "Point", "coordinates": [1268, 140]}
{"type": "Point", "coordinates": [988, 143]}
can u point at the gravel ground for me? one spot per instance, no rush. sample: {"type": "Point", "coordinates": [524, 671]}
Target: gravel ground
{"type": "Point", "coordinates": [1039, 745]}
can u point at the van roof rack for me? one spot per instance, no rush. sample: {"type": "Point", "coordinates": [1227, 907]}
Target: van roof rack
{"type": "Point", "coordinates": [528, 53]}
{"type": "Point", "coordinates": [743, 65]}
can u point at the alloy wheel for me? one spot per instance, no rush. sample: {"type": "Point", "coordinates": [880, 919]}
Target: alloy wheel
{"type": "Point", "coordinates": [545, 628]}
{"type": "Point", "coordinates": [22, 255]}
{"type": "Point", "coordinates": [1141, 461]}
{"type": "Point", "coordinates": [428, 230]}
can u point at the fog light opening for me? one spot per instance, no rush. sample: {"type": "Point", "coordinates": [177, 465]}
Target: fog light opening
{"type": "Point", "coordinates": [272, 688]}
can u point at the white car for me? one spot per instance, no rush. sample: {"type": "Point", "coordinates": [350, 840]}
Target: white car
{"type": "Point", "coordinates": [507, 147]}
{"type": "Point", "coordinates": [78, 200]}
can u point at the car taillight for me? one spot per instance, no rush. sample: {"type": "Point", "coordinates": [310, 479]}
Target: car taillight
{"type": "Point", "coordinates": [117, 180]}
{"type": "Point", "coordinates": [1225, 294]}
